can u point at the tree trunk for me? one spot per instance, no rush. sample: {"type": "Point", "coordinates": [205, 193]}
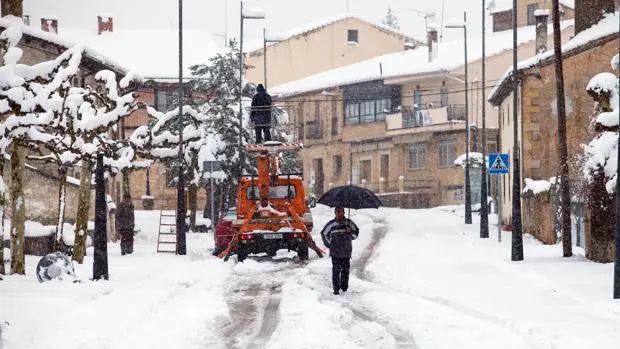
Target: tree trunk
{"type": "Point", "coordinates": [567, 246]}
{"type": "Point", "coordinates": [192, 190]}
{"type": "Point", "coordinates": [12, 7]}
{"type": "Point", "coordinates": [126, 186]}
{"type": "Point", "coordinates": [2, 210]}
{"type": "Point", "coordinates": [18, 210]}
{"type": "Point", "coordinates": [62, 200]}
{"type": "Point", "coordinates": [602, 215]}
{"type": "Point", "coordinates": [148, 182]}
{"type": "Point", "coordinates": [81, 224]}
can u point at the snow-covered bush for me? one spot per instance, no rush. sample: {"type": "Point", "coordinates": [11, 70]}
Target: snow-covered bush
{"type": "Point", "coordinates": [601, 160]}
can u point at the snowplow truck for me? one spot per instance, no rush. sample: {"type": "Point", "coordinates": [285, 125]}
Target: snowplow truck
{"type": "Point", "coordinates": [272, 212]}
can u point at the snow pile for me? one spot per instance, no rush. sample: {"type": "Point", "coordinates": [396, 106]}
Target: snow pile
{"type": "Point", "coordinates": [615, 62]}
{"type": "Point", "coordinates": [536, 187]}
{"type": "Point", "coordinates": [475, 159]}
{"type": "Point", "coordinates": [606, 84]}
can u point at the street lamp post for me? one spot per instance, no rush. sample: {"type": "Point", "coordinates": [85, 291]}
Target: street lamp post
{"type": "Point", "coordinates": [265, 41]}
{"type": "Point", "coordinates": [484, 209]}
{"type": "Point", "coordinates": [181, 248]}
{"type": "Point", "coordinates": [242, 16]}
{"type": "Point", "coordinates": [467, 184]}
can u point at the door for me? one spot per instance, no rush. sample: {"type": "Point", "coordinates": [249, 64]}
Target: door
{"type": "Point", "coordinates": [319, 177]}
{"type": "Point", "coordinates": [365, 168]}
{"type": "Point", "coordinates": [385, 170]}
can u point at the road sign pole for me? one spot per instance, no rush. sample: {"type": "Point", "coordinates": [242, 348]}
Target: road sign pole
{"type": "Point", "coordinates": [212, 200]}
{"type": "Point", "coordinates": [499, 209]}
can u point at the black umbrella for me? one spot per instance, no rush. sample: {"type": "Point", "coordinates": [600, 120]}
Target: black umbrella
{"type": "Point", "coordinates": [350, 196]}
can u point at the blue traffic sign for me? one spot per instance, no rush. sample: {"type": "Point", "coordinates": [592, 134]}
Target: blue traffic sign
{"type": "Point", "coordinates": [499, 163]}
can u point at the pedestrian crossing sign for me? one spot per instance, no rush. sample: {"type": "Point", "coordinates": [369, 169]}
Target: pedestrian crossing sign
{"type": "Point", "coordinates": [499, 163]}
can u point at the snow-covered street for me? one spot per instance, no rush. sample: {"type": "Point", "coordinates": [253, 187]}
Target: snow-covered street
{"type": "Point", "coordinates": [420, 279]}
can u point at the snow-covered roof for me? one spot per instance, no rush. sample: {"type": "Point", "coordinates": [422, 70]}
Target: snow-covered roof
{"type": "Point", "coordinates": [64, 41]}
{"type": "Point", "coordinates": [312, 26]}
{"type": "Point", "coordinates": [151, 53]}
{"type": "Point", "coordinates": [506, 5]}
{"type": "Point", "coordinates": [607, 27]}
{"type": "Point", "coordinates": [409, 63]}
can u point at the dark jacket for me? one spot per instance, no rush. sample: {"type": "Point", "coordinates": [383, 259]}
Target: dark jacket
{"type": "Point", "coordinates": [260, 113]}
{"type": "Point", "coordinates": [337, 236]}
{"type": "Point", "coordinates": [124, 217]}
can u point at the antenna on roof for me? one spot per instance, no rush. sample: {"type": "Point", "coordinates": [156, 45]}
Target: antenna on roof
{"type": "Point", "coordinates": [443, 7]}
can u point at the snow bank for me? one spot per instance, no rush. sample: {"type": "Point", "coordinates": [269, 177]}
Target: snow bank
{"type": "Point", "coordinates": [475, 159]}
{"type": "Point", "coordinates": [615, 62]}
{"type": "Point", "coordinates": [536, 186]}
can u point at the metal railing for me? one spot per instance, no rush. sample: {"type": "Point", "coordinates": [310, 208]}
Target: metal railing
{"type": "Point", "coordinates": [456, 112]}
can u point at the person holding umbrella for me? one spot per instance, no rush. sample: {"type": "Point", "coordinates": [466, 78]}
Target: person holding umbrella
{"type": "Point", "coordinates": [337, 235]}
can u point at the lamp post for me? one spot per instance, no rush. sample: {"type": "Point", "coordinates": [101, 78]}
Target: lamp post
{"type": "Point", "coordinates": [265, 41]}
{"type": "Point", "coordinates": [181, 248]}
{"type": "Point", "coordinates": [467, 184]}
{"type": "Point", "coordinates": [484, 209]}
{"type": "Point", "coordinates": [242, 16]}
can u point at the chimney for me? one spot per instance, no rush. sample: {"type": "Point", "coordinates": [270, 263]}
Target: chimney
{"type": "Point", "coordinates": [432, 44]}
{"type": "Point", "coordinates": [26, 19]}
{"type": "Point", "coordinates": [542, 16]}
{"type": "Point", "coordinates": [105, 24]}
{"type": "Point", "coordinates": [49, 24]}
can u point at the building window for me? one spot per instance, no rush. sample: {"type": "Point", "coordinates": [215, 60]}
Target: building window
{"type": "Point", "coordinates": [337, 161]}
{"type": "Point", "coordinates": [531, 10]}
{"type": "Point", "coordinates": [417, 156]}
{"type": "Point", "coordinates": [352, 36]}
{"type": "Point", "coordinates": [366, 111]}
{"type": "Point", "coordinates": [447, 152]}
{"type": "Point", "coordinates": [334, 126]}
{"type": "Point", "coordinates": [365, 171]}
{"type": "Point", "coordinates": [491, 147]}
{"type": "Point", "coordinates": [164, 100]}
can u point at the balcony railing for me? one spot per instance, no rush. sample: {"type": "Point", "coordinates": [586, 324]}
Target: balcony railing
{"type": "Point", "coordinates": [408, 118]}
{"type": "Point", "coordinates": [456, 112]}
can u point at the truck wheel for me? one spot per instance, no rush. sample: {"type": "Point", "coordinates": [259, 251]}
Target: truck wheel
{"type": "Point", "coordinates": [242, 254]}
{"type": "Point", "coordinates": [217, 251]}
{"type": "Point", "coordinates": [302, 250]}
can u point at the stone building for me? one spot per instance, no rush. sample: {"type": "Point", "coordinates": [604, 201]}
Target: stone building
{"type": "Point", "coordinates": [584, 56]}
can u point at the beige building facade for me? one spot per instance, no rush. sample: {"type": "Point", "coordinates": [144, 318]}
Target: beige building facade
{"type": "Point", "coordinates": [337, 42]}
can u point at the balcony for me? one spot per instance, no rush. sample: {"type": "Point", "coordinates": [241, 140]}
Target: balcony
{"type": "Point", "coordinates": [408, 118]}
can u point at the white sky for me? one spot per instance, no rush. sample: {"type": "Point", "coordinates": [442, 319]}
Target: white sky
{"type": "Point", "coordinates": [282, 15]}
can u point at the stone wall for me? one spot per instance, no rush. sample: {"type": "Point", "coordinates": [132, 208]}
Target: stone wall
{"type": "Point", "coordinates": [41, 196]}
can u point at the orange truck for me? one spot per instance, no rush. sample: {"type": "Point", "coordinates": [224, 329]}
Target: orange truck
{"type": "Point", "coordinates": [272, 212]}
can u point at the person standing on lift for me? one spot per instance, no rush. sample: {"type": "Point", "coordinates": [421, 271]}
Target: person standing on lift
{"type": "Point", "coordinates": [260, 114]}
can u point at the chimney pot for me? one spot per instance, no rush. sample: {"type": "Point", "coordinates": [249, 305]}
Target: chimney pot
{"type": "Point", "coordinates": [542, 16]}
{"type": "Point", "coordinates": [26, 19]}
{"type": "Point", "coordinates": [432, 44]}
{"type": "Point", "coordinates": [105, 23]}
{"type": "Point", "coordinates": [49, 25]}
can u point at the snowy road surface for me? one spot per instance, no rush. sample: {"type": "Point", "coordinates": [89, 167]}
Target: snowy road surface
{"type": "Point", "coordinates": [419, 279]}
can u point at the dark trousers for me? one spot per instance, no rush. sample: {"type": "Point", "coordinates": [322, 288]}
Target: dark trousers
{"type": "Point", "coordinates": [340, 273]}
{"type": "Point", "coordinates": [260, 130]}
{"type": "Point", "coordinates": [126, 241]}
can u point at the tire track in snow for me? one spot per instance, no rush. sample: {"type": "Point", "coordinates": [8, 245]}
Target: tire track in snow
{"type": "Point", "coordinates": [379, 231]}
{"type": "Point", "coordinates": [255, 310]}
